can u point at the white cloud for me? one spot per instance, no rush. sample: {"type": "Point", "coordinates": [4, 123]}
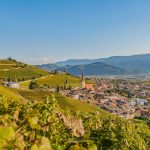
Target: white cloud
{"type": "Point", "coordinates": [136, 52]}
{"type": "Point", "coordinates": [41, 60]}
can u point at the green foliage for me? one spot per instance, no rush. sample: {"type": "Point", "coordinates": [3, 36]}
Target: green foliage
{"type": "Point", "coordinates": [39, 125]}
{"type": "Point", "coordinates": [58, 89]}
{"type": "Point", "coordinates": [45, 145]}
{"type": "Point", "coordinates": [48, 122]}
{"type": "Point", "coordinates": [35, 122]}
{"type": "Point", "coordinates": [114, 133]}
{"type": "Point", "coordinates": [9, 94]}
{"type": "Point", "coordinates": [82, 145]}
{"type": "Point", "coordinates": [33, 85]}
{"type": "Point", "coordinates": [6, 133]}
{"type": "Point", "coordinates": [63, 102]}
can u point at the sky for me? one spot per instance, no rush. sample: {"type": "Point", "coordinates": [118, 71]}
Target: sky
{"type": "Point", "coordinates": [46, 31]}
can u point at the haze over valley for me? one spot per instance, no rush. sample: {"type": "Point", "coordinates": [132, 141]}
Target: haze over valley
{"type": "Point", "coordinates": [116, 65]}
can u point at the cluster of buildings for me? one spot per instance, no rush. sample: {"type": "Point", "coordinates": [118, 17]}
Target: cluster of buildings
{"type": "Point", "coordinates": [124, 98]}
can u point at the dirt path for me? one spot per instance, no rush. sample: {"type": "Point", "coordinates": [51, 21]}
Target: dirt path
{"type": "Point", "coordinates": [37, 78]}
{"type": "Point", "coordinates": [7, 64]}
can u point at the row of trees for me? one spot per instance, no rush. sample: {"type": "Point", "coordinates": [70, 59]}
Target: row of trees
{"type": "Point", "coordinates": [35, 85]}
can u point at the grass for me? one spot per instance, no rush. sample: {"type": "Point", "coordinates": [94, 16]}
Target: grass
{"type": "Point", "coordinates": [25, 84]}
{"type": "Point", "coordinates": [18, 71]}
{"type": "Point", "coordinates": [6, 66]}
{"type": "Point", "coordinates": [9, 94]}
{"type": "Point", "coordinates": [60, 79]}
{"type": "Point", "coordinates": [57, 79]}
{"type": "Point", "coordinates": [4, 61]}
{"type": "Point", "coordinates": [22, 73]}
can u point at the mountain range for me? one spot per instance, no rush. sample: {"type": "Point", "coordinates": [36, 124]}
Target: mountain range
{"type": "Point", "coordinates": [115, 65]}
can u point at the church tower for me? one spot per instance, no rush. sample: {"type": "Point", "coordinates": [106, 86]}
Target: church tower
{"type": "Point", "coordinates": [82, 81]}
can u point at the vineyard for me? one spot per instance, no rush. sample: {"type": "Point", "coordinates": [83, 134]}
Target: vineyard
{"type": "Point", "coordinates": [17, 71]}
{"type": "Point", "coordinates": [7, 61]}
{"type": "Point", "coordinates": [64, 103]}
{"type": "Point", "coordinates": [8, 66]}
{"type": "Point", "coordinates": [53, 80]}
{"type": "Point", "coordinates": [21, 74]}
{"type": "Point", "coordinates": [9, 94]}
{"type": "Point", "coordinates": [40, 125]}
{"type": "Point", "coordinates": [60, 79]}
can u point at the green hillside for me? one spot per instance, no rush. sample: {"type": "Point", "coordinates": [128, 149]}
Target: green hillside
{"type": "Point", "coordinates": [17, 71]}
{"type": "Point", "coordinates": [60, 79]}
{"type": "Point", "coordinates": [56, 79]}
{"type": "Point", "coordinates": [6, 92]}
{"type": "Point", "coordinates": [40, 124]}
{"type": "Point", "coordinates": [64, 102]}
{"type": "Point", "coordinates": [7, 64]}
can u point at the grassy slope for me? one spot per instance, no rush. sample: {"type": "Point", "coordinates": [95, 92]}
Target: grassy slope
{"type": "Point", "coordinates": [64, 102]}
{"type": "Point", "coordinates": [60, 79]}
{"type": "Point", "coordinates": [6, 64]}
{"type": "Point", "coordinates": [9, 94]}
{"type": "Point", "coordinates": [26, 73]}
{"type": "Point", "coordinates": [53, 80]}
{"type": "Point", "coordinates": [10, 69]}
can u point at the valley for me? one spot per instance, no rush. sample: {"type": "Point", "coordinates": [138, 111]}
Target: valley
{"type": "Point", "coordinates": [48, 109]}
{"type": "Point", "coordinates": [74, 75]}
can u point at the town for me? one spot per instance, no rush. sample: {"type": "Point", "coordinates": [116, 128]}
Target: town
{"type": "Point", "coordinates": [126, 98]}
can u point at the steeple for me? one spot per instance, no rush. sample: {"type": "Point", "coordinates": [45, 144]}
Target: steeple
{"type": "Point", "coordinates": [82, 76]}
{"type": "Point", "coordinates": [82, 81]}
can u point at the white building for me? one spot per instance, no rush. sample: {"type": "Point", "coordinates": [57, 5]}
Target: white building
{"type": "Point", "coordinates": [76, 96]}
{"type": "Point", "coordinates": [12, 84]}
{"type": "Point", "coordinates": [138, 101]}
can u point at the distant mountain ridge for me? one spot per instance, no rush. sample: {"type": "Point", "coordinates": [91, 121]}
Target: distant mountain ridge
{"type": "Point", "coordinates": [97, 68]}
{"type": "Point", "coordinates": [134, 64]}
{"type": "Point", "coordinates": [135, 61]}
{"type": "Point", "coordinates": [73, 62]}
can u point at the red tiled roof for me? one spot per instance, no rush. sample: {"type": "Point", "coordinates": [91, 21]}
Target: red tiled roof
{"type": "Point", "coordinates": [89, 86]}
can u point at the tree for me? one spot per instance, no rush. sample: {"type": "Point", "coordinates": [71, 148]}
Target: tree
{"type": "Point", "coordinates": [64, 86]}
{"type": "Point", "coordinates": [55, 72]}
{"type": "Point", "coordinates": [33, 85]}
{"type": "Point", "coordinates": [10, 58]}
{"type": "Point", "coordinates": [57, 88]}
{"type": "Point", "coordinates": [9, 79]}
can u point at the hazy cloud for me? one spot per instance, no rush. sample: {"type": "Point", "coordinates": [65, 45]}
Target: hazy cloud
{"type": "Point", "coordinates": [41, 60]}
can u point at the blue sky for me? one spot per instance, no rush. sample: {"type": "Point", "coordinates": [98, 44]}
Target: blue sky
{"type": "Point", "coordinates": [42, 31]}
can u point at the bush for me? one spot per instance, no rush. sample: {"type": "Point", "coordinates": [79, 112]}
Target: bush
{"type": "Point", "coordinates": [33, 85]}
